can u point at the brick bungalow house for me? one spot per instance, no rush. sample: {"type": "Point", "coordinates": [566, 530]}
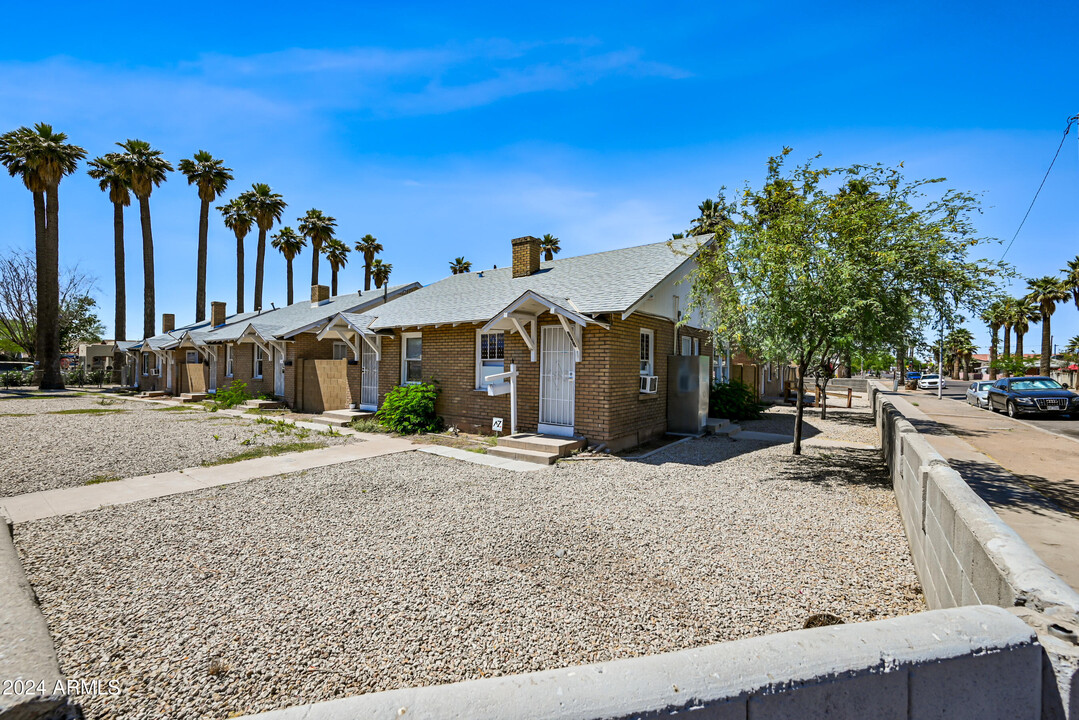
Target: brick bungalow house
{"type": "Point", "coordinates": [590, 338]}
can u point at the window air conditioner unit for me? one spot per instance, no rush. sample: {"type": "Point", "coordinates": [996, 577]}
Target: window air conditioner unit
{"type": "Point", "coordinates": [155, 371]}
{"type": "Point", "coordinates": [649, 384]}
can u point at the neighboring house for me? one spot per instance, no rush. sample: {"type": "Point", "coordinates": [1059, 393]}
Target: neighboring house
{"type": "Point", "coordinates": [96, 356]}
{"type": "Point", "coordinates": [590, 337]}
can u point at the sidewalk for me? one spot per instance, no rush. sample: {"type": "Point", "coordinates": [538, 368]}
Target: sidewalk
{"type": "Point", "coordinates": [1027, 476]}
{"type": "Point", "coordinates": [67, 501]}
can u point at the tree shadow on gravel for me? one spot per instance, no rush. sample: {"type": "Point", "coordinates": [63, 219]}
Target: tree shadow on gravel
{"type": "Point", "coordinates": [837, 466]}
{"type": "Point", "coordinates": [1002, 488]}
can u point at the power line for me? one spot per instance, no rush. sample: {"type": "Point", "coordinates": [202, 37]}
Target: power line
{"type": "Point", "coordinates": [1067, 128]}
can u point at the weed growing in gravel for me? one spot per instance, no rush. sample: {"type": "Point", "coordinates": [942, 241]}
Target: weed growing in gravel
{"type": "Point", "coordinates": [98, 479]}
{"type": "Point", "coordinates": [281, 426]}
{"type": "Point", "coordinates": [369, 425]}
{"type": "Point", "coordinates": [106, 401]}
{"type": "Point", "coordinates": [15, 414]}
{"type": "Point", "coordinates": [481, 451]}
{"type": "Point", "coordinates": [217, 437]}
{"type": "Point", "coordinates": [87, 411]}
{"type": "Point", "coordinates": [266, 451]}
{"type": "Point", "coordinates": [330, 432]}
{"type": "Point", "coordinates": [172, 408]}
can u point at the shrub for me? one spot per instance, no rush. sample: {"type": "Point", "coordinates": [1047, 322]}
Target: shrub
{"type": "Point", "coordinates": [233, 395]}
{"type": "Point", "coordinates": [410, 409]}
{"type": "Point", "coordinates": [16, 378]}
{"type": "Point", "coordinates": [734, 401]}
{"type": "Point", "coordinates": [369, 425]}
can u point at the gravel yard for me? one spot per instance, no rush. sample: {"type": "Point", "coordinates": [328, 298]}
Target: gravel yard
{"type": "Point", "coordinates": [849, 425]}
{"type": "Point", "coordinates": [413, 569]}
{"type": "Point", "coordinates": [68, 441]}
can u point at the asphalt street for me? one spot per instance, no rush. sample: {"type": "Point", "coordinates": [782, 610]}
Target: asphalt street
{"type": "Point", "coordinates": [1054, 424]}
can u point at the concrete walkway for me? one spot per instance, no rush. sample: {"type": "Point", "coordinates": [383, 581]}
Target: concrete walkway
{"type": "Point", "coordinates": [1027, 476]}
{"type": "Point", "coordinates": [480, 458]}
{"type": "Point", "coordinates": [67, 501]}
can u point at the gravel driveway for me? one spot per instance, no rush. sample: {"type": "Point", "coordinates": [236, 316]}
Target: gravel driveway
{"type": "Point", "coordinates": [46, 447]}
{"type": "Point", "coordinates": [849, 425]}
{"type": "Point", "coordinates": [414, 569]}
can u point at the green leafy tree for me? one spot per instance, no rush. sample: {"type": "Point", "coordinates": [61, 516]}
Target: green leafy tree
{"type": "Point", "coordinates": [1046, 292]}
{"type": "Point", "coordinates": [144, 169]}
{"type": "Point", "coordinates": [805, 270]}
{"type": "Point", "coordinates": [319, 229]}
{"type": "Point", "coordinates": [239, 221]}
{"type": "Point", "coordinates": [336, 253]}
{"type": "Point", "coordinates": [369, 247]}
{"type": "Point", "coordinates": [459, 266]}
{"type": "Point", "coordinates": [211, 177]}
{"type": "Point", "coordinates": [19, 319]}
{"type": "Point", "coordinates": [289, 244]}
{"type": "Point", "coordinates": [79, 323]}
{"type": "Point", "coordinates": [41, 158]}
{"type": "Point", "coordinates": [266, 208]}
{"type": "Point", "coordinates": [549, 247]}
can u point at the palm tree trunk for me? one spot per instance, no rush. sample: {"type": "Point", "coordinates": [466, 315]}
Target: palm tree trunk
{"type": "Point", "coordinates": [367, 272]}
{"type": "Point", "coordinates": [260, 258]}
{"type": "Point", "coordinates": [315, 252]}
{"type": "Point", "coordinates": [48, 297]}
{"type": "Point", "coordinates": [239, 274]}
{"type": "Point", "coordinates": [333, 282]}
{"type": "Point", "coordinates": [993, 357]}
{"type": "Point", "coordinates": [200, 279]}
{"type": "Point", "coordinates": [288, 273]}
{"type": "Point", "coordinates": [1007, 342]}
{"type": "Point", "coordinates": [149, 295]}
{"type": "Point", "coordinates": [1019, 348]}
{"type": "Point", "coordinates": [119, 327]}
{"type": "Point", "coordinates": [1047, 344]}
{"type": "Point", "coordinates": [41, 242]}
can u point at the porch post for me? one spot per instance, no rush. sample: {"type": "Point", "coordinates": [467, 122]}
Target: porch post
{"type": "Point", "coordinates": [513, 398]}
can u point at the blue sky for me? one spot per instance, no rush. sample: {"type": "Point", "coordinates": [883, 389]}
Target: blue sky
{"type": "Point", "coordinates": [448, 130]}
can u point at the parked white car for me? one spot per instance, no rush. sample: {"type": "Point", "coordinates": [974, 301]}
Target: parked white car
{"type": "Point", "coordinates": [978, 394]}
{"type": "Point", "coordinates": [930, 382]}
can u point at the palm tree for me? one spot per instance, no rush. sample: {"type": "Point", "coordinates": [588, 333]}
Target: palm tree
{"type": "Point", "coordinates": [1071, 279]}
{"type": "Point", "coordinates": [960, 344]}
{"type": "Point", "coordinates": [459, 266]}
{"type": "Point", "coordinates": [265, 207]}
{"type": "Point", "coordinates": [289, 244]}
{"type": "Point", "coordinates": [144, 169]}
{"type": "Point", "coordinates": [239, 222]}
{"type": "Point", "coordinates": [369, 246]}
{"type": "Point", "coordinates": [1007, 319]}
{"type": "Point", "coordinates": [112, 181]}
{"type": "Point", "coordinates": [1072, 348]}
{"type": "Point", "coordinates": [993, 316]}
{"type": "Point", "coordinates": [1026, 313]}
{"type": "Point", "coordinates": [380, 273]}
{"type": "Point", "coordinates": [319, 229]}
{"type": "Point", "coordinates": [549, 247]}
{"type": "Point", "coordinates": [1046, 292]}
{"type": "Point", "coordinates": [212, 177]}
{"type": "Point", "coordinates": [336, 253]}
{"type": "Point", "coordinates": [41, 158]}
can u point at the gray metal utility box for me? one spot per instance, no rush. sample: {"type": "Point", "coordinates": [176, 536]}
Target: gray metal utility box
{"type": "Point", "coordinates": [687, 393]}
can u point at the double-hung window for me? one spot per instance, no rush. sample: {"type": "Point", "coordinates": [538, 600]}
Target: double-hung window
{"type": "Point", "coordinates": [412, 358]}
{"type": "Point", "coordinates": [490, 357]}
{"type": "Point", "coordinates": [192, 357]}
{"type": "Point", "coordinates": [146, 363]}
{"type": "Point", "coordinates": [340, 351]}
{"type": "Point", "coordinates": [257, 367]}
{"type": "Point", "coordinates": [228, 361]}
{"type": "Point", "coordinates": [648, 339]}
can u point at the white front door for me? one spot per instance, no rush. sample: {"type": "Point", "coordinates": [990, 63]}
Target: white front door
{"type": "Point", "coordinates": [211, 383]}
{"type": "Point", "coordinates": [557, 382]}
{"type": "Point", "coordinates": [168, 373]}
{"type": "Point", "coordinates": [278, 372]}
{"type": "Point", "coordinates": [369, 378]}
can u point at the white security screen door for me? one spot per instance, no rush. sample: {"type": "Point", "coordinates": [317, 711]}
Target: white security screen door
{"type": "Point", "coordinates": [557, 382]}
{"type": "Point", "coordinates": [369, 379]}
{"type": "Point", "coordinates": [168, 374]}
{"type": "Point", "coordinates": [278, 372]}
{"type": "Point", "coordinates": [212, 381]}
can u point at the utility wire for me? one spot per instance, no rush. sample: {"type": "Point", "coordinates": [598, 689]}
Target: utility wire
{"type": "Point", "coordinates": [1067, 128]}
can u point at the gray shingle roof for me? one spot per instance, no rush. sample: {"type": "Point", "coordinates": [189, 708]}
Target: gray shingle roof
{"type": "Point", "coordinates": [603, 282]}
{"type": "Point", "coordinates": [286, 321]}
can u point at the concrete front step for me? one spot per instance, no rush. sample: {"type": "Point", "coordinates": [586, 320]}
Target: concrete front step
{"type": "Point", "coordinates": [152, 394]}
{"type": "Point", "coordinates": [559, 446]}
{"type": "Point", "coordinates": [192, 397]}
{"type": "Point", "coordinates": [533, 456]}
{"type": "Point", "coordinates": [340, 418]}
{"type": "Point", "coordinates": [264, 404]}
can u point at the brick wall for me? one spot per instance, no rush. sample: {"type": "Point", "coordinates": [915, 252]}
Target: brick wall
{"type": "Point", "coordinates": [243, 362]}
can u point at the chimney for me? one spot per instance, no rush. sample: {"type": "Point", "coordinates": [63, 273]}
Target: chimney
{"type": "Point", "coordinates": [217, 314]}
{"type": "Point", "coordinates": [526, 256]}
{"type": "Point", "coordinates": [168, 322]}
{"type": "Point", "coordinates": [319, 295]}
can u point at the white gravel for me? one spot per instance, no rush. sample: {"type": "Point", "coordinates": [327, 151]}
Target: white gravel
{"type": "Point", "coordinates": [848, 425]}
{"type": "Point", "coordinates": [44, 450]}
{"type": "Point", "coordinates": [415, 569]}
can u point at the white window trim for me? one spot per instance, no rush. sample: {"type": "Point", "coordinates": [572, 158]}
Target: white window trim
{"type": "Point", "coordinates": [146, 364]}
{"type": "Point", "coordinates": [404, 358]}
{"type": "Point", "coordinates": [228, 361]}
{"type": "Point", "coordinates": [257, 363]}
{"type": "Point", "coordinates": [188, 357]}
{"type": "Point", "coordinates": [479, 361]}
{"type": "Point", "coordinates": [651, 352]}
{"type": "Point", "coordinates": [338, 344]}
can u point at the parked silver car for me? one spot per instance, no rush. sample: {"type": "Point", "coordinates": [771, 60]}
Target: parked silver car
{"type": "Point", "coordinates": [978, 394]}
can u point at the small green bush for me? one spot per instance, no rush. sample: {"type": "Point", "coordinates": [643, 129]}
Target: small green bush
{"type": "Point", "coordinates": [369, 425]}
{"type": "Point", "coordinates": [410, 409]}
{"type": "Point", "coordinates": [16, 378]}
{"type": "Point", "coordinates": [235, 394]}
{"type": "Point", "coordinates": [734, 401]}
